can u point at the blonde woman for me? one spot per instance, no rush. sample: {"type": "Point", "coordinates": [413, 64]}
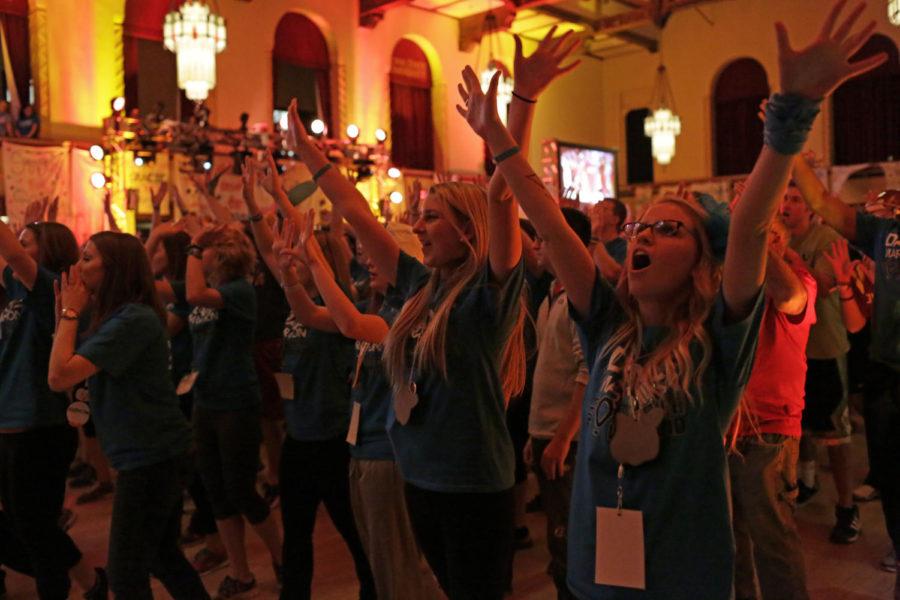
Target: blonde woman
{"type": "Point", "coordinates": [669, 350]}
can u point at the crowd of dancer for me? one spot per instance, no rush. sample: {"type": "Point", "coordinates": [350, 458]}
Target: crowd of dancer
{"type": "Point", "coordinates": [407, 375]}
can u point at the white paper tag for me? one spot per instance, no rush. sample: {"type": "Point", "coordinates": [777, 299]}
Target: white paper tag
{"type": "Point", "coordinates": [78, 413]}
{"type": "Point", "coordinates": [353, 430]}
{"type": "Point", "coordinates": [620, 548]}
{"type": "Point", "coordinates": [285, 385]}
{"type": "Point", "coordinates": [187, 383]}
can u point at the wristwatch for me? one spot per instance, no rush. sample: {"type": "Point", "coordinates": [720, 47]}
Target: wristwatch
{"type": "Point", "coordinates": [195, 251]}
{"type": "Point", "coordinates": [68, 314]}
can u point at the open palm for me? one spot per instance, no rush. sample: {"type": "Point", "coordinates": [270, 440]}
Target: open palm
{"type": "Point", "coordinates": [480, 109]}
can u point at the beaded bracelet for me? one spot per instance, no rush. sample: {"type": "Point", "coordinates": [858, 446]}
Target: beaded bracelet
{"type": "Point", "coordinates": [789, 119]}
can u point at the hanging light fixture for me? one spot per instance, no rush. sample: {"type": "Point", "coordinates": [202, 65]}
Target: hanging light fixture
{"type": "Point", "coordinates": [894, 12]}
{"type": "Point", "coordinates": [492, 65]}
{"type": "Point", "coordinates": [663, 125]}
{"type": "Point", "coordinates": [195, 35]}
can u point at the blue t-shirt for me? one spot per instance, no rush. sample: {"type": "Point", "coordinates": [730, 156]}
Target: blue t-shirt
{"type": "Point", "coordinates": [26, 336]}
{"type": "Point", "coordinates": [880, 239]}
{"type": "Point", "coordinates": [373, 392]}
{"type": "Point", "coordinates": [617, 248]}
{"type": "Point", "coordinates": [223, 349]}
{"type": "Point", "coordinates": [321, 363]}
{"type": "Point", "coordinates": [133, 403]}
{"type": "Point", "coordinates": [181, 343]}
{"type": "Point", "coordinates": [456, 438]}
{"type": "Point", "coordinates": [683, 493]}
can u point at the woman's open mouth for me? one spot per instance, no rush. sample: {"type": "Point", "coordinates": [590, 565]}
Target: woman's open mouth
{"type": "Point", "coordinates": [640, 260]}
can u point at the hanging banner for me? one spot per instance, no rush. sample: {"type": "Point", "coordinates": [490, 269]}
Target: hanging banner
{"type": "Point", "coordinates": [34, 173]}
{"type": "Point", "coordinates": [85, 215]}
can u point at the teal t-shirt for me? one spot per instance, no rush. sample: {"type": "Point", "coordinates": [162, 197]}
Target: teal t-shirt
{"type": "Point", "coordinates": [617, 248]}
{"type": "Point", "coordinates": [456, 438]}
{"type": "Point", "coordinates": [880, 239]}
{"type": "Point", "coordinates": [133, 404]}
{"type": "Point", "coordinates": [373, 392]}
{"type": "Point", "coordinates": [223, 349]}
{"type": "Point", "coordinates": [683, 493]}
{"type": "Point", "coordinates": [321, 363]}
{"type": "Point", "coordinates": [181, 343]}
{"type": "Point", "coordinates": [26, 336]}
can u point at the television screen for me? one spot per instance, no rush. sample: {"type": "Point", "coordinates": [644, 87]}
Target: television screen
{"type": "Point", "coordinates": [589, 172]}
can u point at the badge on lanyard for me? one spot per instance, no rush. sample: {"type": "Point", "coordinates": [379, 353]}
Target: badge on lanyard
{"type": "Point", "coordinates": [619, 558]}
{"type": "Point", "coordinates": [79, 411]}
{"type": "Point", "coordinates": [353, 430]}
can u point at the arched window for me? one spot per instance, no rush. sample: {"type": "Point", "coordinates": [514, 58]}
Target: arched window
{"type": "Point", "coordinates": [14, 20]}
{"type": "Point", "coordinates": [638, 147]}
{"type": "Point", "coordinates": [866, 110]}
{"type": "Point", "coordinates": [737, 130]}
{"type": "Point", "coordinates": [151, 78]}
{"type": "Point", "coordinates": [301, 68]}
{"type": "Point", "coordinates": [412, 126]}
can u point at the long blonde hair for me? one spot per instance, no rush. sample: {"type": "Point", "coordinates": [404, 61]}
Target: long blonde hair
{"type": "Point", "coordinates": [462, 204]}
{"type": "Point", "coordinates": [671, 364]}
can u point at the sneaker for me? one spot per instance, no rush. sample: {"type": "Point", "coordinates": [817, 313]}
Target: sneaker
{"type": "Point", "coordinates": [270, 494]}
{"type": "Point", "coordinates": [100, 591]}
{"type": "Point", "coordinates": [805, 492]}
{"type": "Point", "coordinates": [190, 538]}
{"type": "Point", "coordinates": [207, 561]}
{"type": "Point", "coordinates": [847, 528]}
{"type": "Point", "coordinates": [66, 519]}
{"type": "Point", "coordinates": [889, 562]}
{"type": "Point", "coordinates": [522, 539]}
{"type": "Point", "coordinates": [100, 490]}
{"type": "Point", "coordinates": [232, 588]}
{"type": "Point", "coordinates": [866, 493]}
{"type": "Point", "coordinates": [86, 479]}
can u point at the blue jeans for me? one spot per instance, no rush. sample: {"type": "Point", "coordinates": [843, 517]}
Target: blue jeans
{"type": "Point", "coordinates": [143, 537]}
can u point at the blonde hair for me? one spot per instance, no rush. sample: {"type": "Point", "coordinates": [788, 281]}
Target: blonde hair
{"type": "Point", "coordinates": [462, 204]}
{"type": "Point", "coordinates": [235, 256]}
{"type": "Point", "coordinates": [671, 364]}
{"type": "Point", "coordinates": [337, 254]}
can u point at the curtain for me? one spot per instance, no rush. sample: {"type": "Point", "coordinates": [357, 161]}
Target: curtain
{"type": "Point", "coordinates": [298, 41]}
{"type": "Point", "coordinates": [411, 127]}
{"type": "Point", "coordinates": [17, 40]}
{"type": "Point", "coordinates": [737, 130]}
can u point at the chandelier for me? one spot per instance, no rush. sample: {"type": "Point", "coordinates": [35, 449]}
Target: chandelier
{"type": "Point", "coordinates": [195, 35]}
{"type": "Point", "coordinates": [492, 65]}
{"type": "Point", "coordinates": [894, 12]}
{"type": "Point", "coordinates": [663, 125]}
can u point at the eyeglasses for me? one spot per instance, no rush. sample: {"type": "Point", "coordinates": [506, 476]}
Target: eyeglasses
{"type": "Point", "coordinates": [664, 227]}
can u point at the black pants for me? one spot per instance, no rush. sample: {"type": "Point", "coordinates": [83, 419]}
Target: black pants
{"type": "Point", "coordinates": [882, 415]}
{"type": "Point", "coordinates": [33, 467]}
{"type": "Point", "coordinates": [227, 457]}
{"type": "Point", "coordinates": [556, 497]}
{"type": "Point", "coordinates": [143, 536]}
{"type": "Point", "coordinates": [466, 538]}
{"type": "Point", "coordinates": [314, 472]}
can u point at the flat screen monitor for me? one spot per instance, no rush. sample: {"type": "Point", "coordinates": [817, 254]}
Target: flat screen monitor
{"type": "Point", "coordinates": [588, 171]}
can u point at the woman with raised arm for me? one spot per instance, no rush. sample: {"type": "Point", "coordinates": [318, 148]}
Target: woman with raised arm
{"type": "Point", "coordinates": [454, 354]}
{"type": "Point", "coordinates": [226, 415]}
{"type": "Point", "coordinates": [125, 359]}
{"type": "Point", "coordinates": [36, 444]}
{"type": "Point", "coordinates": [669, 350]}
{"type": "Point", "coordinates": [376, 486]}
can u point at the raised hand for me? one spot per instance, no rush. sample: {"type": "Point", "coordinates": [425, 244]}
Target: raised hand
{"type": "Point", "coordinates": [158, 195]}
{"type": "Point", "coordinates": [480, 109]}
{"type": "Point", "coordinates": [838, 256]}
{"type": "Point", "coordinates": [296, 134]}
{"type": "Point", "coordinates": [34, 212]}
{"type": "Point", "coordinates": [815, 71]}
{"type": "Point", "coordinates": [534, 73]}
{"type": "Point", "coordinates": [53, 209]}
{"type": "Point", "coordinates": [248, 176]}
{"type": "Point", "coordinates": [176, 196]}
{"type": "Point", "coordinates": [72, 293]}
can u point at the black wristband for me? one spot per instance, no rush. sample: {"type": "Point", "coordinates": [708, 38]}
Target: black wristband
{"type": "Point", "coordinates": [255, 218]}
{"type": "Point", "coordinates": [321, 171]}
{"type": "Point", "coordinates": [524, 99]}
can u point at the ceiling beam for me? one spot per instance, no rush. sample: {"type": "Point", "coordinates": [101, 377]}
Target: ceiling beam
{"type": "Point", "coordinates": [372, 11]}
{"type": "Point", "coordinates": [648, 43]}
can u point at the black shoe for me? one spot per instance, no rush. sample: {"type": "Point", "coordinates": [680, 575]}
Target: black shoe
{"type": "Point", "coordinates": [522, 539]}
{"type": "Point", "coordinates": [100, 590]}
{"type": "Point", "coordinates": [847, 528]}
{"type": "Point", "coordinates": [805, 492]}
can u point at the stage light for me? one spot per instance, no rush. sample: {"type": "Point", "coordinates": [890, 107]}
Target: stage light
{"type": "Point", "coordinates": [317, 127]}
{"type": "Point", "coordinates": [380, 135]}
{"type": "Point", "coordinates": [394, 173]}
{"type": "Point", "coordinates": [98, 180]}
{"type": "Point", "coordinates": [352, 132]}
{"type": "Point", "coordinates": [396, 197]}
{"type": "Point", "coordinates": [139, 161]}
{"type": "Point", "coordinates": [207, 165]}
{"type": "Point", "coordinates": [283, 122]}
{"type": "Point", "coordinates": [118, 104]}
{"type": "Point", "coordinates": [97, 152]}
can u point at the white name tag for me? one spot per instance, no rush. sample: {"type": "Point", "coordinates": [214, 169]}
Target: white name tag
{"type": "Point", "coordinates": [187, 383]}
{"type": "Point", "coordinates": [620, 548]}
{"type": "Point", "coordinates": [353, 430]}
{"type": "Point", "coordinates": [285, 385]}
